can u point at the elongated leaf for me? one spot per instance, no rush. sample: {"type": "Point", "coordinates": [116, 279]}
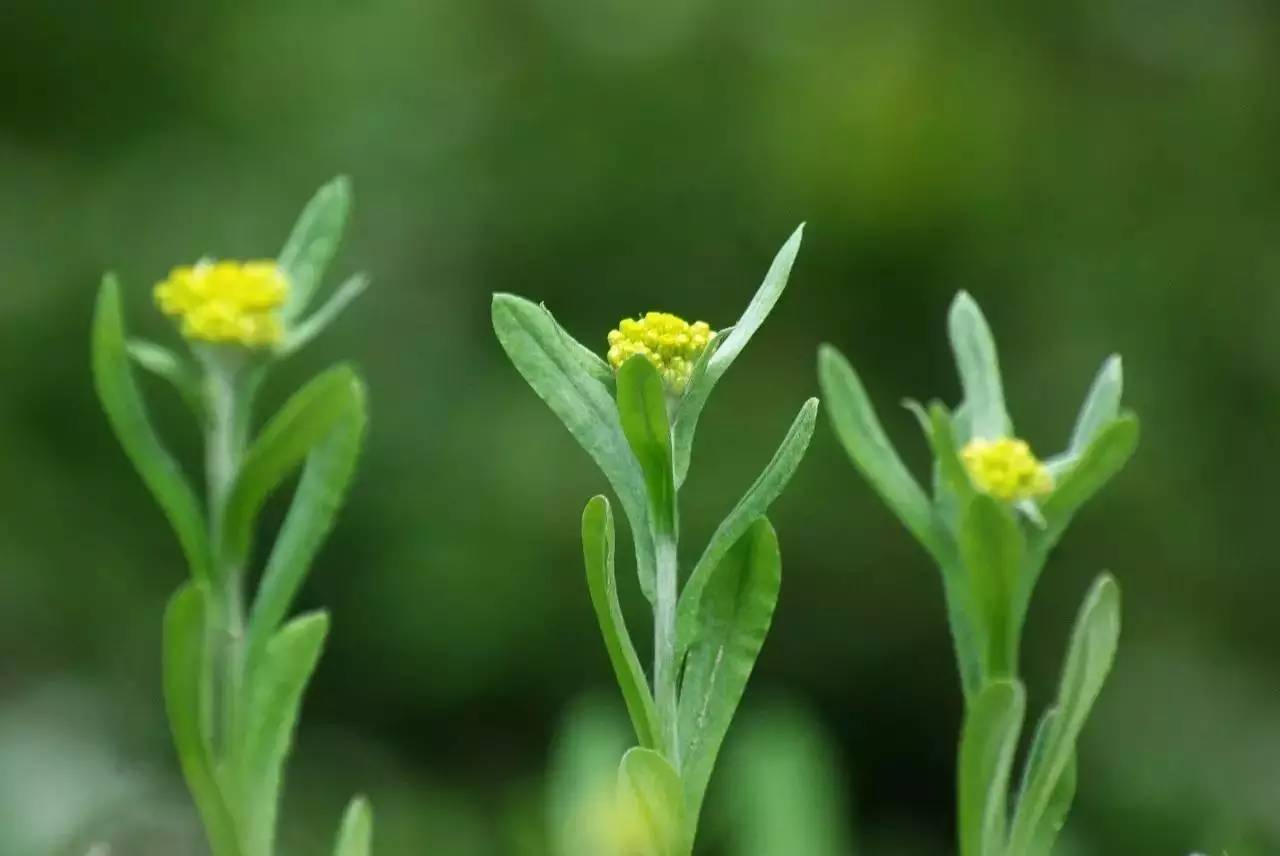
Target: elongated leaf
{"type": "Point", "coordinates": [858, 429]}
{"type": "Point", "coordinates": [733, 619]}
{"type": "Point", "coordinates": [987, 747]}
{"type": "Point", "coordinates": [953, 478]}
{"type": "Point", "coordinates": [642, 409]}
{"type": "Point", "coordinates": [313, 244]}
{"type": "Point", "coordinates": [1093, 647]}
{"type": "Point", "coordinates": [306, 419]}
{"type": "Point", "coordinates": [597, 549]}
{"type": "Point", "coordinates": [179, 372]}
{"type": "Point", "coordinates": [127, 413]}
{"type": "Point", "coordinates": [187, 702]}
{"type": "Point", "coordinates": [975, 353]}
{"type": "Point", "coordinates": [1055, 815]}
{"type": "Point", "coordinates": [718, 361]}
{"type": "Point", "coordinates": [317, 322]}
{"type": "Point", "coordinates": [273, 697]}
{"type": "Point", "coordinates": [1101, 406]}
{"type": "Point", "coordinates": [649, 792]}
{"type": "Point", "coordinates": [355, 836]}
{"type": "Point", "coordinates": [559, 374]}
{"type": "Point", "coordinates": [754, 504]}
{"type": "Point", "coordinates": [325, 478]}
{"type": "Point", "coordinates": [582, 777]}
{"type": "Point", "coordinates": [992, 547]}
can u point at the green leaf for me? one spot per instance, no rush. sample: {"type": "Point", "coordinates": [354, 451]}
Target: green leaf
{"type": "Point", "coordinates": [355, 836]}
{"type": "Point", "coordinates": [858, 429]}
{"type": "Point", "coordinates": [306, 419]}
{"type": "Point", "coordinates": [1093, 648]}
{"type": "Point", "coordinates": [953, 478]}
{"type": "Point", "coordinates": [317, 322]}
{"type": "Point", "coordinates": [165, 364]}
{"type": "Point", "coordinates": [273, 697]}
{"type": "Point", "coordinates": [754, 504]}
{"type": "Point", "coordinates": [313, 244]}
{"type": "Point", "coordinates": [1055, 816]}
{"type": "Point", "coordinates": [642, 410]}
{"type": "Point", "coordinates": [597, 549]}
{"type": "Point", "coordinates": [127, 413]}
{"type": "Point", "coordinates": [975, 353]}
{"type": "Point", "coordinates": [733, 618]}
{"type": "Point", "coordinates": [582, 776]}
{"type": "Point", "coordinates": [992, 547]}
{"type": "Point", "coordinates": [188, 703]}
{"type": "Point", "coordinates": [329, 469]}
{"type": "Point", "coordinates": [726, 351]}
{"type": "Point", "coordinates": [987, 747]}
{"type": "Point", "coordinates": [649, 791]}
{"type": "Point", "coordinates": [559, 374]}
{"type": "Point", "coordinates": [1101, 406]}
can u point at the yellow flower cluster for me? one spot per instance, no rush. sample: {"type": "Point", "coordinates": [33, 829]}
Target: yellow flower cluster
{"type": "Point", "coordinates": [668, 341]}
{"type": "Point", "coordinates": [233, 302]}
{"type": "Point", "coordinates": [1006, 469]}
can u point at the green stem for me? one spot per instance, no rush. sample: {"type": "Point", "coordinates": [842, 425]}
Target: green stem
{"type": "Point", "coordinates": [666, 696]}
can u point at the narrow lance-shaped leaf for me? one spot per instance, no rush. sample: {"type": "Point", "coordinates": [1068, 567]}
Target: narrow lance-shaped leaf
{"type": "Point", "coordinates": [1093, 647]}
{"type": "Point", "coordinates": [987, 747]}
{"type": "Point", "coordinates": [127, 413]}
{"type": "Point", "coordinates": [355, 836]}
{"type": "Point", "coordinates": [597, 548]}
{"type": "Point", "coordinates": [317, 322]}
{"type": "Point", "coordinates": [992, 546]}
{"type": "Point", "coordinates": [313, 244]}
{"type": "Point", "coordinates": [305, 419]}
{"type": "Point", "coordinates": [1101, 407]}
{"type": "Point", "coordinates": [642, 410]}
{"type": "Point", "coordinates": [559, 375]}
{"type": "Point", "coordinates": [734, 340]}
{"type": "Point", "coordinates": [179, 372]}
{"type": "Point", "coordinates": [326, 476]}
{"type": "Point", "coordinates": [649, 792]}
{"type": "Point", "coordinates": [187, 702]}
{"type": "Point", "coordinates": [975, 353]}
{"type": "Point", "coordinates": [754, 503]}
{"type": "Point", "coordinates": [736, 610]}
{"type": "Point", "coordinates": [273, 698]}
{"type": "Point", "coordinates": [859, 431]}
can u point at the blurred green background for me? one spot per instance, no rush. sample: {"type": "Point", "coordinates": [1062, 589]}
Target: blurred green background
{"type": "Point", "coordinates": [1102, 176]}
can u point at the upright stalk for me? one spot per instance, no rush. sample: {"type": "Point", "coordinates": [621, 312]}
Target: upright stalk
{"type": "Point", "coordinates": [664, 644]}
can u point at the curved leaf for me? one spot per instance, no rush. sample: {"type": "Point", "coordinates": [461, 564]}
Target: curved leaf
{"type": "Point", "coordinates": [717, 362]}
{"type": "Point", "coordinates": [313, 244]}
{"type": "Point", "coordinates": [642, 410]}
{"type": "Point", "coordinates": [127, 413]}
{"type": "Point", "coordinates": [597, 549]}
{"type": "Point", "coordinates": [273, 697]}
{"type": "Point", "coordinates": [979, 368]}
{"type": "Point", "coordinates": [558, 371]}
{"type": "Point", "coordinates": [649, 792]}
{"type": "Point", "coordinates": [355, 836]}
{"type": "Point", "coordinates": [1101, 405]}
{"type": "Point", "coordinates": [754, 504]}
{"type": "Point", "coordinates": [734, 615]}
{"type": "Point", "coordinates": [188, 702]}
{"type": "Point", "coordinates": [987, 747]}
{"type": "Point", "coordinates": [164, 363]}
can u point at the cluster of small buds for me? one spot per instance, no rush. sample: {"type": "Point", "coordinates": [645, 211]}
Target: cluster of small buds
{"type": "Point", "coordinates": [668, 341]}
{"type": "Point", "coordinates": [1006, 469]}
{"type": "Point", "coordinates": [227, 302]}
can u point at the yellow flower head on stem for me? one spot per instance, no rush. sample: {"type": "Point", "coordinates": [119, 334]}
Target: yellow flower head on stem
{"type": "Point", "coordinates": [668, 341]}
{"type": "Point", "coordinates": [1006, 469]}
{"type": "Point", "coordinates": [227, 302]}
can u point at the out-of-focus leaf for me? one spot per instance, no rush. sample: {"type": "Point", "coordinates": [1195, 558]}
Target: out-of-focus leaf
{"type": "Point", "coordinates": [306, 419]}
{"type": "Point", "coordinates": [273, 697]}
{"type": "Point", "coordinates": [1101, 407]}
{"type": "Point", "coordinates": [685, 422]}
{"type": "Point", "coordinates": [858, 429]}
{"type": "Point", "coordinates": [649, 792]}
{"type": "Point", "coordinates": [355, 836]}
{"type": "Point", "coordinates": [330, 466]}
{"type": "Point", "coordinates": [753, 505]}
{"type": "Point", "coordinates": [597, 548]}
{"type": "Point", "coordinates": [127, 413]}
{"type": "Point", "coordinates": [642, 410]}
{"type": "Point", "coordinates": [733, 618]}
{"type": "Point", "coordinates": [1093, 648]}
{"type": "Point", "coordinates": [583, 776]}
{"type": "Point", "coordinates": [313, 244]}
{"type": "Point", "coordinates": [975, 353]}
{"type": "Point", "coordinates": [987, 747]}
{"type": "Point", "coordinates": [188, 703]}
{"type": "Point", "coordinates": [317, 322]}
{"type": "Point", "coordinates": [559, 375]}
{"type": "Point", "coordinates": [992, 546]}
{"type": "Point", "coordinates": [179, 372]}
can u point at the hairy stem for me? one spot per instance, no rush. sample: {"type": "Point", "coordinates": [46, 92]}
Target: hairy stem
{"type": "Point", "coordinates": [664, 645]}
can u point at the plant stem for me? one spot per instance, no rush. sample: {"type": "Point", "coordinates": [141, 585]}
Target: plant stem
{"type": "Point", "coordinates": [664, 644]}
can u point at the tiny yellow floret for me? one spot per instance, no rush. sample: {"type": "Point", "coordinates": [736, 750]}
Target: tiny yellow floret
{"type": "Point", "coordinates": [1006, 469]}
{"type": "Point", "coordinates": [227, 302]}
{"type": "Point", "coordinates": [668, 341]}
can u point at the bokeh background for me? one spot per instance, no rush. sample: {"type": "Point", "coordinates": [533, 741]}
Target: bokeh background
{"type": "Point", "coordinates": [1102, 176]}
